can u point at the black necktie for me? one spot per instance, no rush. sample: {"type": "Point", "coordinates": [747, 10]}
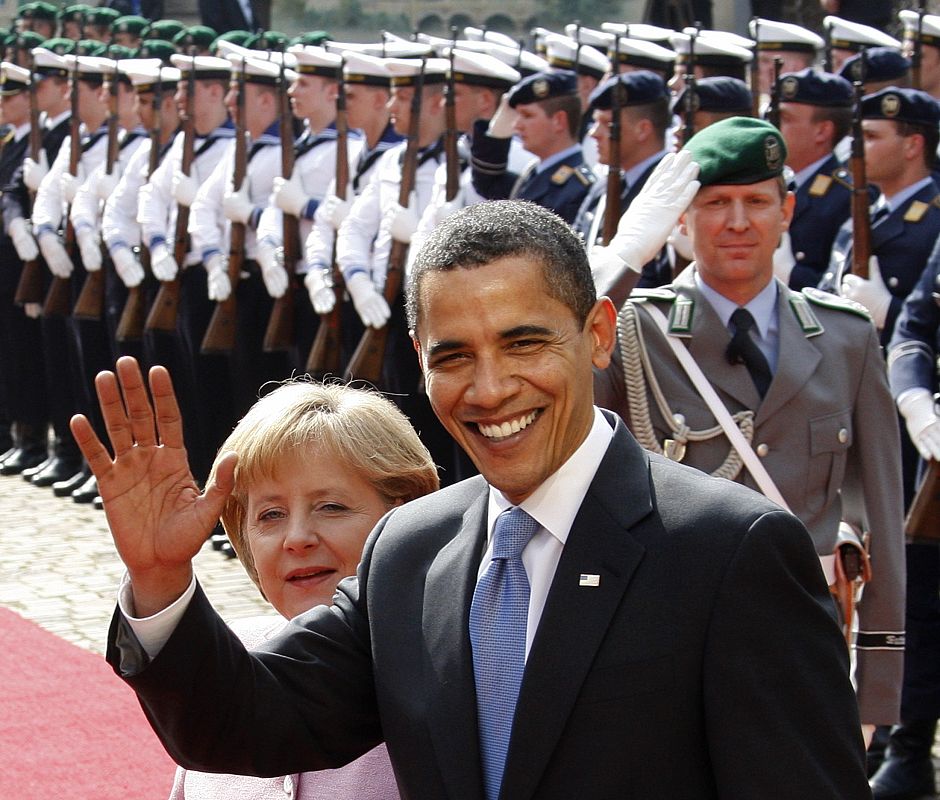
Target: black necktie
{"type": "Point", "coordinates": [744, 350]}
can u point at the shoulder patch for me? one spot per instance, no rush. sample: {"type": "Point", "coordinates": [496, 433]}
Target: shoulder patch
{"type": "Point", "coordinates": [809, 323]}
{"type": "Point", "coordinates": [820, 185]}
{"type": "Point", "coordinates": [826, 300]}
{"type": "Point", "coordinates": [561, 175]}
{"type": "Point", "coordinates": [915, 211]}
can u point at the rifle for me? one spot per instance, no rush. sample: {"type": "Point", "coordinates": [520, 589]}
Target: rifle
{"type": "Point", "coordinates": [917, 53]}
{"type": "Point", "coordinates": [366, 361]}
{"type": "Point", "coordinates": [326, 351]}
{"type": "Point", "coordinates": [59, 295]}
{"type": "Point", "coordinates": [220, 335]}
{"type": "Point", "coordinates": [452, 159]}
{"type": "Point", "coordinates": [131, 325]}
{"type": "Point", "coordinates": [90, 303]}
{"type": "Point", "coordinates": [755, 69]}
{"type": "Point", "coordinates": [162, 316]}
{"type": "Point", "coordinates": [29, 288]}
{"type": "Point", "coordinates": [921, 523]}
{"type": "Point", "coordinates": [612, 209]}
{"type": "Point", "coordinates": [691, 97]}
{"type": "Point", "coordinates": [279, 334]}
{"type": "Point", "coordinates": [861, 222]}
{"type": "Point", "coordinates": [773, 110]}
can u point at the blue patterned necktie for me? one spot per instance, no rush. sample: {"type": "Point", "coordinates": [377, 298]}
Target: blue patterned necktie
{"type": "Point", "coordinates": [498, 616]}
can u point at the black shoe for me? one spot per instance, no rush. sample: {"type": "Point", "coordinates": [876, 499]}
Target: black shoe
{"type": "Point", "coordinates": [7, 453]}
{"type": "Point", "coordinates": [59, 469]}
{"type": "Point", "coordinates": [87, 492]}
{"type": "Point", "coordinates": [99, 503]}
{"type": "Point", "coordinates": [228, 551]}
{"type": "Point", "coordinates": [65, 487]}
{"type": "Point", "coordinates": [907, 772]}
{"type": "Point", "coordinates": [218, 540]}
{"type": "Point", "coordinates": [875, 756]}
{"type": "Point", "coordinates": [21, 459]}
{"type": "Point", "coordinates": [30, 472]}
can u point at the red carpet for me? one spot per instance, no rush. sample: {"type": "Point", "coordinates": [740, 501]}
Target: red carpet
{"type": "Point", "coordinates": [68, 727]}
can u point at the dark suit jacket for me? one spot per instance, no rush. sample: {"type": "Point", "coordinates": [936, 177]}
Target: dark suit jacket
{"type": "Point", "coordinates": [705, 664]}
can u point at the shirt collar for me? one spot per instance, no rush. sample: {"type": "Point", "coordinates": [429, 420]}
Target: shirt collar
{"type": "Point", "coordinates": [762, 306]}
{"type": "Point", "coordinates": [896, 200]}
{"type": "Point", "coordinates": [20, 131]}
{"type": "Point", "coordinates": [807, 172]}
{"type": "Point", "coordinates": [633, 174]}
{"type": "Point", "coordinates": [550, 162]}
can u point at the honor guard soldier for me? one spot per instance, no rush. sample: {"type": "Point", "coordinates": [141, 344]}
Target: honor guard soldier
{"type": "Point", "coordinates": [929, 49]}
{"type": "Point", "coordinates": [799, 379]}
{"type": "Point", "coordinates": [196, 377]}
{"type": "Point", "coordinates": [544, 110]}
{"type": "Point", "coordinates": [72, 21]}
{"type": "Point", "coordinates": [846, 38]}
{"type": "Point", "coordinates": [38, 17]}
{"type": "Point", "coordinates": [630, 55]}
{"type": "Point", "coordinates": [908, 769]}
{"type": "Point", "coordinates": [815, 115]}
{"type": "Point", "coordinates": [128, 31]}
{"type": "Point", "coordinates": [712, 57]}
{"type": "Point", "coordinates": [878, 68]}
{"type": "Point", "coordinates": [198, 37]}
{"type": "Point", "coordinates": [41, 374]}
{"type": "Point", "coordinates": [165, 29]}
{"type": "Point", "coordinates": [644, 120]}
{"type": "Point", "coordinates": [715, 99]}
{"type": "Point", "coordinates": [98, 23]}
{"type": "Point", "coordinates": [795, 46]}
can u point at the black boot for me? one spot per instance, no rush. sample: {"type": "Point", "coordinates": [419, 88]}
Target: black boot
{"type": "Point", "coordinates": [87, 492]}
{"type": "Point", "coordinates": [32, 449]}
{"type": "Point", "coordinates": [907, 772]}
{"type": "Point", "coordinates": [66, 461]}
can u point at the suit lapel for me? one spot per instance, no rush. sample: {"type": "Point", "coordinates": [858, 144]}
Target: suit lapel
{"type": "Point", "coordinates": [576, 618]}
{"type": "Point", "coordinates": [452, 714]}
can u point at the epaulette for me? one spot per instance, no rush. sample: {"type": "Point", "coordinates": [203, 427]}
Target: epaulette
{"type": "Point", "coordinates": [915, 211]}
{"type": "Point", "coordinates": [827, 300]}
{"type": "Point", "coordinates": [809, 322]}
{"type": "Point", "coordinates": [820, 185]}
{"type": "Point", "coordinates": [654, 293]}
{"type": "Point", "coordinates": [565, 172]}
{"type": "Point", "coordinates": [843, 177]}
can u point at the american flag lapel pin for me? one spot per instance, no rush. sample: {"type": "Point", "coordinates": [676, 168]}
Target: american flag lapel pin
{"type": "Point", "coordinates": [589, 580]}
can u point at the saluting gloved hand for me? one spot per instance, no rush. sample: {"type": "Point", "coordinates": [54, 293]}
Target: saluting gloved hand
{"type": "Point", "coordinates": [162, 263]}
{"type": "Point", "coordinates": [503, 120]}
{"type": "Point", "coordinates": [681, 243]}
{"type": "Point", "coordinates": [923, 424]}
{"type": "Point", "coordinates": [237, 206]}
{"type": "Point", "coordinates": [289, 195]}
{"type": "Point", "coordinates": [219, 285]}
{"type": "Point", "coordinates": [127, 266]}
{"type": "Point", "coordinates": [106, 184]}
{"type": "Point", "coordinates": [335, 210]}
{"type": "Point", "coordinates": [370, 305]}
{"type": "Point", "coordinates": [35, 171]}
{"type": "Point", "coordinates": [70, 184]}
{"type": "Point", "coordinates": [90, 248]}
{"type": "Point", "coordinates": [783, 259]}
{"type": "Point", "coordinates": [54, 252]}
{"type": "Point", "coordinates": [448, 209]}
{"type": "Point", "coordinates": [319, 285]}
{"type": "Point", "coordinates": [402, 221]}
{"type": "Point", "coordinates": [871, 293]}
{"type": "Point", "coordinates": [184, 188]}
{"type": "Point", "coordinates": [270, 258]}
{"type": "Point", "coordinates": [23, 241]}
{"type": "Point", "coordinates": [651, 217]}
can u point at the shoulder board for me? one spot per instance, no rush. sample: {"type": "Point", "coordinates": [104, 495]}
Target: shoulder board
{"type": "Point", "coordinates": [809, 323]}
{"type": "Point", "coordinates": [820, 185]}
{"type": "Point", "coordinates": [585, 175]}
{"type": "Point", "coordinates": [658, 293]}
{"type": "Point", "coordinates": [843, 177]}
{"type": "Point", "coordinates": [915, 211]}
{"type": "Point", "coordinates": [827, 300]}
{"type": "Point", "coordinates": [561, 175]}
{"type": "Point", "coordinates": [936, 201]}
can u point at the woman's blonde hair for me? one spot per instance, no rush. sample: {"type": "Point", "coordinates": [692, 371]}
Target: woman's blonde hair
{"type": "Point", "coordinates": [356, 426]}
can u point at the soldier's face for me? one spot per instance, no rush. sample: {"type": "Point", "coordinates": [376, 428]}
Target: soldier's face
{"type": "Point", "coordinates": [399, 108]}
{"type": "Point", "coordinates": [14, 108]}
{"type": "Point", "coordinates": [807, 139]}
{"type": "Point", "coordinates": [310, 94]}
{"type": "Point", "coordinates": [734, 231]}
{"type": "Point", "coordinates": [886, 151]}
{"type": "Point", "coordinates": [537, 131]}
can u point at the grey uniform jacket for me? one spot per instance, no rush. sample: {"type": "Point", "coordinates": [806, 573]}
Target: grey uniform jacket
{"type": "Point", "coordinates": [826, 433]}
{"type": "Point", "coordinates": [666, 679]}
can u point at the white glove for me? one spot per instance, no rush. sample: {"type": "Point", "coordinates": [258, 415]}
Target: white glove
{"type": "Point", "coordinates": [90, 248]}
{"type": "Point", "coordinates": [237, 206]}
{"type": "Point", "coordinates": [784, 260]}
{"type": "Point", "coordinates": [370, 305]}
{"type": "Point", "coordinates": [503, 120]}
{"type": "Point", "coordinates": [184, 188]}
{"type": "Point", "coordinates": [23, 241]}
{"type": "Point", "coordinates": [53, 251]}
{"type": "Point", "coordinates": [106, 184]}
{"type": "Point", "coordinates": [33, 310]}
{"type": "Point", "coordinates": [289, 195]}
{"type": "Point", "coordinates": [923, 424]}
{"type": "Point", "coordinates": [220, 287]}
{"type": "Point", "coordinates": [127, 266]}
{"type": "Point", "coordinates": [681, 243]}
{"type": "Point", "coordinates": [335, 210]}
{"type": "Point", "coordinates": [871, 293]}
{"type": "Point", "coordinates": [162, 263]}
{"type": "Point", "coordinates": [35, 171]}
{"type": "Point", "coordinates": [445, 210]}
{"type": "Point", "coordinates": [651, 217]}
{"type": "Point", "coordinates": [402, 221]}
{"type": "Point", "coordinates": [270, 258]}
{"type": "Point", "coordinates": [320, 287]}
{"type": "Point", "coordinates": [70, 185]}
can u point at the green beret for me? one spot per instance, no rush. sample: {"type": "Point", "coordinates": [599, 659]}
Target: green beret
{"type": "Point", "coordinates": [131, 24]}
{"type": "Point", "coordinates": [312, 38]}
{"type": "Point", "coordinates": [105, 17]}
{"type": "Point", "coordinates": [90, 47]}
{"type": "Point", "coordinates": [201, 36]}
{"type": "Point", "coordinates": [165, 29]}
{"type": "Point", "coordinates": [739, 150]}
{"type": "Point", "coordinates": [235, 37]}
{"type": "Point", "coordinates": [268, 40]}
{"type": "Point", "coordinates": [156, 48]}
{"type": "Point", "coordinates": [44, 11]}
{"type": "Point", "coordinates": [26, 40]}
{"type": "Point", "coordinates": [117, 52]}
{"type": "Point", "coordinates": [60, 46]}
{"type": "Point", "coordinates": [74, 13]}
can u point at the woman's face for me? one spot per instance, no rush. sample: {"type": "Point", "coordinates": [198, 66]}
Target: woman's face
{"type": "Point", "coordinates": [305, 527]}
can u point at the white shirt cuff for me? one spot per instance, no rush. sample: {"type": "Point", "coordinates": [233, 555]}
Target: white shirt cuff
{"type": "Point", "coordinates": [153, 632]}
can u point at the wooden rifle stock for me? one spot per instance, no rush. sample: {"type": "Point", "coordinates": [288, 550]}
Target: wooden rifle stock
{"type": "Point", "coordinates": [922, 518]}
{"type": "Point", "coordinates": [90, 302]}
{"type": "Point", "coordinates": [755, 69]}
{"type": "Point", "coordinates": [366, 361]}
{"type": "Point", "coordinates": [691, 96]}
{"type": "Point", "coordinates": [861, 221]}
{"type": "Point", "coordinates": [326, 351]}
{"type": "Point", "coordinates": [451, 156]}
{"type": "Point", "coordinates": [29, 288]}
{"type": "Point", "coordinates": [279, 335]}
{"type": "Point", "coordinates": [163, 312]}
{"type": "Point", "coordinates": [773, 110]}
{"type": "Point", "coordinates": [59, 296]}
{"type": "Point", "coordinates": [220, 335]}
{"type": "Point", "coordinates": [612, 207]}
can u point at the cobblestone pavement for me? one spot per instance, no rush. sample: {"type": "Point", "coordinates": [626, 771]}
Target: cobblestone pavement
{"type": "Point", "coordinates": [59, 568]}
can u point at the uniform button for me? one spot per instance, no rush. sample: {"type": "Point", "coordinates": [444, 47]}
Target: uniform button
{"type": "Point", "coordinates": [843, 435]}
{"type": "Point", "coordinates": [893, 282]}
{"type": "Point", "coordinates": [289, 785]}
{"type": "Point", "coordinates": [762, 449]}
{"type": "Point", "coordinates": [800, 255]}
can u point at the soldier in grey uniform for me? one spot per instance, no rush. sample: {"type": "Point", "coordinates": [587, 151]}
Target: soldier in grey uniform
{"type": "Point", "coordinates": [800, 373]}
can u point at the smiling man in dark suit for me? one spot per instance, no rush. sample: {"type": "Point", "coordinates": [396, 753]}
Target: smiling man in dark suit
{"type": "Point", "coordinates": [654, 633]}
